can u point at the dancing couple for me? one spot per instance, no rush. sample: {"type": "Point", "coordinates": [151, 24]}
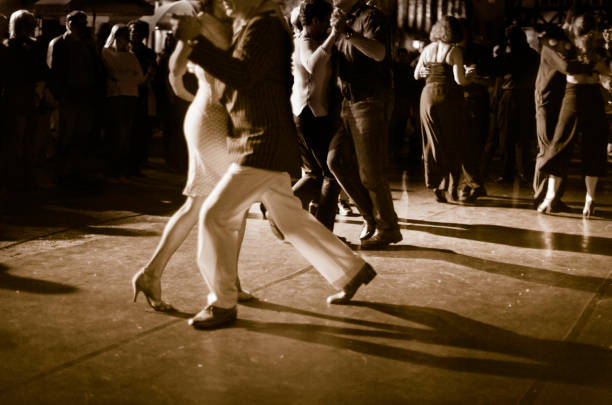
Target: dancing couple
{"type": "Point", "coordinates": [249, 79]}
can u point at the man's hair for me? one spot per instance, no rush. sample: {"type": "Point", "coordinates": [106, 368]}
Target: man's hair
{"type": "Point", "coordinates": [22, 24]}
{"type": "Point", "coordinates": [76, 15]}
{"type": "Point", "coordinates": [140, 27]}
{"type": "Point", "coordinates": [447, 29]}
{"type": "Point", "coordinates": [310, 9]}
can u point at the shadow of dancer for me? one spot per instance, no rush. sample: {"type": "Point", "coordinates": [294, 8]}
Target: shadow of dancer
{"type": "Point", "coordinates": [570, 362]}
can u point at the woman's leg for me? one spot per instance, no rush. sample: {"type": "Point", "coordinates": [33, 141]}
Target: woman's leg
{"type": "Point", "coordinates": [554, 182]}
{"type": "Point", "coordinates": [591, 187]}
{"type": "Point", "coordinates": [175, 232]}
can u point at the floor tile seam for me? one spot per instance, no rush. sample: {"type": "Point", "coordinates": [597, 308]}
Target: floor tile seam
{"type": "Point", "coordinates": [88, 356]}
{"type": "Point", "coordinates": [531, 395]}
{"type": "Point", "coordinates": [290, 276]}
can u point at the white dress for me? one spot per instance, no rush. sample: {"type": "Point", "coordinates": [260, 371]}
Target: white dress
{"type": "Point", "coordinates": [206, 129]}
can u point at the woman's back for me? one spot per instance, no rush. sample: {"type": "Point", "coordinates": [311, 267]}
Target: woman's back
{"type": "Point", "coordinates": [436, 59]}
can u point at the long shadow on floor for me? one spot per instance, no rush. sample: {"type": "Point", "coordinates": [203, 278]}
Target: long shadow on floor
{"type": "Point", "coordinates": [32, 285]}
{"type": "Point", "coordinates": [516, 271]}
{"type": "Point", "coordinates": [504, 235]}
{"type": "Point", "coordinates": [569, 362]}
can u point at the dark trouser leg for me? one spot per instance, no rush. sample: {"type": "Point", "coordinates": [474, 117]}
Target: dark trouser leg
{"type": "Point", "coordinates": [367, 121]}
{"type": "Point", "coordinates": [342, 163]}
{"type": "Point", "coordinates": [555, 159]}
{"type": "Point", "coordinates": [326, 214]}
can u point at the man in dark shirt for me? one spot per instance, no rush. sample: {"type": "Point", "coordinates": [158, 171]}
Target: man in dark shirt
{"type": "Point", "coordinates": [365, 79]}
{"type": "Point", "coordinates": [77, 83]}
{"type": "Point", "coordinates": [256, 71]}
{"type": "Point", "coordinates": [146, 107]}
{"type": "Point", "coordinates": [515, 113]}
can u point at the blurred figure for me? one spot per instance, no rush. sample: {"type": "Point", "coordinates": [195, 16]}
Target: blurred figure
{"type": "Point", "coordinates": [477, 61]}
{"type": "Point", "coordinates": [102, 35]}
{"type": "Point", "coordinates": [146, 108]}
{"type": "Point", "coordinates": [171, 110]}
{"type": "Point", "coordinates": [124, 75]}
{"type": "Point", "coordinates": [558, 58]}
{"type": "Point", "coordinates": [77, 82]}
{"type": "Point", "coordinates": [25, 78]}
{"type": "Point", "coordinates": [362, 142]}
{"type": "Point", "coordinates": [314, 109]}
{"type": "Point", "coordinates": [582, 111]}
{"type": "Point", "coordinates": [3, 138]}
{"type": "Point", "coordinates": [515, 129]}
{"type": "Point", "coordinates": [443, 117]}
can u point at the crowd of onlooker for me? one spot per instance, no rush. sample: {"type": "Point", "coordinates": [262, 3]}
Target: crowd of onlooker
{"type": "Point", "coordinates": [82, 108]}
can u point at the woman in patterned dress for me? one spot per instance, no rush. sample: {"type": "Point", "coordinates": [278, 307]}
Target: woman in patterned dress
{"type": "Point", "coordinates": [205, 127]}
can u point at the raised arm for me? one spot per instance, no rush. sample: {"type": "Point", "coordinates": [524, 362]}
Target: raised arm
{"type": "Point", "coordinates": [313, 56]}
{"type": "Point", "coordinates": [177, 67]}
{"type": "Point", "coordinates": [371, 42]}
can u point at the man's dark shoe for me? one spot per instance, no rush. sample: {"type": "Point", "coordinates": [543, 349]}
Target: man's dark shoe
{"type": "Point", "coordinates": [364, 276]}
{"type": "Point", "coordinates": [471, 194]}
{"type": "Point", "coordinates": [440, 196]}
{"type": "Point", "coordinates": [381, 239]}
{"type": "Point", "coordinates": [213, 317]}
{"type": "Point", "coordinates": [369, 227]}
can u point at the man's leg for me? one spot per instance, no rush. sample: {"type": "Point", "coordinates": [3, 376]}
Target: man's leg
{"type": "Point", "coordinates": [368, 130]}
{"type": "Point", "coordinates": [219, 232]}
{"type": "Point", "coordinates": [332, 258]}
{"type": "Point", "coordinates": [342, 163]}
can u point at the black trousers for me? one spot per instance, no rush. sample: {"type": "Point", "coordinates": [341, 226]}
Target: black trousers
{"type": "Point", "coordinates": [582, 111]}
{"type": "Point", "coordinates": [317, 184]}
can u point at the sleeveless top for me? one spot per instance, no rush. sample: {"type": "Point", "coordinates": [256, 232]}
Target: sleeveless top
{"type": "Point", "coordinates": [441, 72]}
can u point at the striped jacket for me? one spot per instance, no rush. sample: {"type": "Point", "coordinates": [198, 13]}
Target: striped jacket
{"type": "Point", "coordinates": [256, 71]}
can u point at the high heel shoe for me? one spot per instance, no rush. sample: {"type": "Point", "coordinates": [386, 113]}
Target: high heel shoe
{"type": "Point", "coordinates": [546, 207]}
{"type": "Point", "coordinates": [589, 209]}
{"type": "Point", "coordinates": [143, 283]}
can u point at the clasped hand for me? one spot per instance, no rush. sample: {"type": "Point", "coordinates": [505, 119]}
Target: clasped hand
{"type": "Point", "coordinates": [187, 27]}
{"type": "Point", "coordinates": [338, 21]}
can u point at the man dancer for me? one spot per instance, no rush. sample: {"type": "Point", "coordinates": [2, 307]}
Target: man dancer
{"type": "Point", "coordinates": [314, 108]}
{"type": "Point", "coordinates": [257, 72]}
{"type": "Point", "coordinates": [365, 78]}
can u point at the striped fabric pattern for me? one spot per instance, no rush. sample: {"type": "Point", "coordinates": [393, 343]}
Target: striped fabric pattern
{"type": "Point", "coordinates": [256, 71]}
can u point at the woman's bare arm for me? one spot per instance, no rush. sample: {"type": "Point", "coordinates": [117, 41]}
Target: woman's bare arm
{"type": "Point", "coordinates": [178, 67]}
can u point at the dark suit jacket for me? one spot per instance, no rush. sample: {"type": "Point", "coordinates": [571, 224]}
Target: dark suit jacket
{"type": "Point", "coordinates": [256, 71]}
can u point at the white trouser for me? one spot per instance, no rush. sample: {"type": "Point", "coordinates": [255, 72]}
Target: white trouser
{"type": "Point", "coordinates": [219, 228]}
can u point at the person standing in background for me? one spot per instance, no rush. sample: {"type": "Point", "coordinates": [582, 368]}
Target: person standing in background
{"type": "Point", "coordinates": [146, 106]}
{"type": "Point", "coordinates": [124, 75]}
{"type": "Point", "coordinates": [76, 81]}
{"type": "Point", "coordinates": [25, 76]}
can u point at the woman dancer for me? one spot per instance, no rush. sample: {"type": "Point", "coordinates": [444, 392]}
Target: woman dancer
{"type": "Point", "coordinates": [205, 129]}
{"type": "Point", "coordinates": [442, 107]}
{"type": "Point", "coordinates": [582, 110]}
